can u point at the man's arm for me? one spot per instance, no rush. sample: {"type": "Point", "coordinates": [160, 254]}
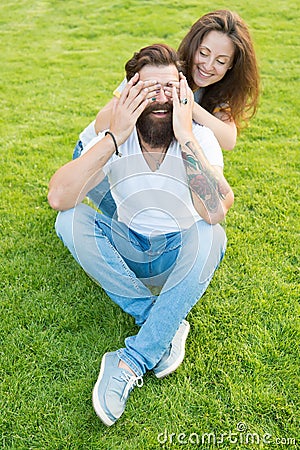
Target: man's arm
{"type": "Point", "coordinates": [70, 184]}
{"type": "Point", "coordinates": [211, 193]}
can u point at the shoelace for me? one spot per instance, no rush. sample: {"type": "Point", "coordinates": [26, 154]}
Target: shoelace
{"type": "Point", "coordinates": [131, 381]}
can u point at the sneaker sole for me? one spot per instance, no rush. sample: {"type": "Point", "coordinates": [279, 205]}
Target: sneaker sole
{"type": "Point", "coordinates": [96, 404]}
{"type": "Point", "coordinates": [177, 363]}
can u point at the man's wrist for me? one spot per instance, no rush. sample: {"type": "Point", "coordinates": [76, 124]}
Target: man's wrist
{"type": "Point", "coordinates": [185, 139]}
{"type": "Point", "coordinates": [114, 141]}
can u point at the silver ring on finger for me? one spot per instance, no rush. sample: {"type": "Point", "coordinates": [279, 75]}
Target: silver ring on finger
{"type": "Point", "coordinates": [184, 101]}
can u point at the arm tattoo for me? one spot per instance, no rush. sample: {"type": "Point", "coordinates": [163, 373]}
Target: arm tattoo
{"type": "Point", "coordinates": [202, 181]}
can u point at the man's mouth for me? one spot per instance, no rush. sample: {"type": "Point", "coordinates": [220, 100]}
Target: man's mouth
{"type": "Point", "coordinates": [160, 112]}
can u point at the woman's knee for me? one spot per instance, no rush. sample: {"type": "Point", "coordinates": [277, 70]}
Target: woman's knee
{"type": "Point", "coordinates": [77, 150]}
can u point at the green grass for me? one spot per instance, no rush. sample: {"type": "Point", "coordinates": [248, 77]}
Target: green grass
{"type": "Point", "coordinates": [60, 61]}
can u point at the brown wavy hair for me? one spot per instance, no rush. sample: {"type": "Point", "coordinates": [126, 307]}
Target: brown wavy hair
{"type": "Point", "coordinates": [154, 55]}
{"type": "Point", "coordinates": [239, 88]}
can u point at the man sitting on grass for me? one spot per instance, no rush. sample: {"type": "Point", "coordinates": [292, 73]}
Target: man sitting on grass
{"type": "Point", "coordinates": [166, 178]}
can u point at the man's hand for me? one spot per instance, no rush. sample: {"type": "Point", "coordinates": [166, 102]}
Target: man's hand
{"type": "Point", "coordinates": [182, 111]}
{"type": "Point", "coordinates": [103, 119]}
{"type": "Point", "coordinates": [128, 108]}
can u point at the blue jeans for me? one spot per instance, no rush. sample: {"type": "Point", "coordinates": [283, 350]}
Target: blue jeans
{"type": "Point", "coordinates": [100, 195]}
{"type": "Point", "coordinates": [126, 264]}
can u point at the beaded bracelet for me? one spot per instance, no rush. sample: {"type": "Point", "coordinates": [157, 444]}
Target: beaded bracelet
{"type": "Point", "coordinates": [115, 142]}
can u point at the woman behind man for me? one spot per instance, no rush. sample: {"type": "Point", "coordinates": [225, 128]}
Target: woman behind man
{"type": "Point", "coordinates": [221, 68]}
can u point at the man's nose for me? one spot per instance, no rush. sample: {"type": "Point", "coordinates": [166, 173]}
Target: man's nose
{"type": "Point", "coordinates": [161, 96]}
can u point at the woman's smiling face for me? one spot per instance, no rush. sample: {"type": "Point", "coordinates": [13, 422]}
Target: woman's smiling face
{"type": "Point", "coordinates": [212, 59]}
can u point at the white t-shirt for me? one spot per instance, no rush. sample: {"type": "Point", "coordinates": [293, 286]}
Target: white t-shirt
{"type": "Point", "coordinates": [88, 134]}
{"type": "Point", "coordinates": [155, 202]}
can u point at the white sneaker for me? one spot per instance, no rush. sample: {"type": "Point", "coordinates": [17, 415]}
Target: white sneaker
{"type": "Point", "coordinates": [112, 389]}
{"type": "Point", "coordinates": [173, 357]}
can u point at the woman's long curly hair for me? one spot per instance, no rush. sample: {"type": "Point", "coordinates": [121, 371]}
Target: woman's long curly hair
{"type": "Point", "coordinates": [239, 88]}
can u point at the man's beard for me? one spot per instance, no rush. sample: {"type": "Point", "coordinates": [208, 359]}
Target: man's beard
{"type": "Point", "coordinates": [156, 132]}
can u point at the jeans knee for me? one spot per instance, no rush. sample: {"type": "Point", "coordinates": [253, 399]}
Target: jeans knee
{"type": "Point", "coordinates": [63, 223]}
{"type": "Point", "coordinates": [212, 252]}
{"type": "Point", "coordinates": [220, 235]}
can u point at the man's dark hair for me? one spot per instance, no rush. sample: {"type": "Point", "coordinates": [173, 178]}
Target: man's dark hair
{"type": "Point", "coordinates": [154, 55]}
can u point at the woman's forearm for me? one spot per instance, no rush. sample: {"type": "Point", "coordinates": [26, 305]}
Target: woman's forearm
{"type": "Point", "coordinates": [225, 131]}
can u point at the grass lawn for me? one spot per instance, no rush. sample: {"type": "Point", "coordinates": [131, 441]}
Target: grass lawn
{"type": "Point", "coordinates": [60, 63]}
